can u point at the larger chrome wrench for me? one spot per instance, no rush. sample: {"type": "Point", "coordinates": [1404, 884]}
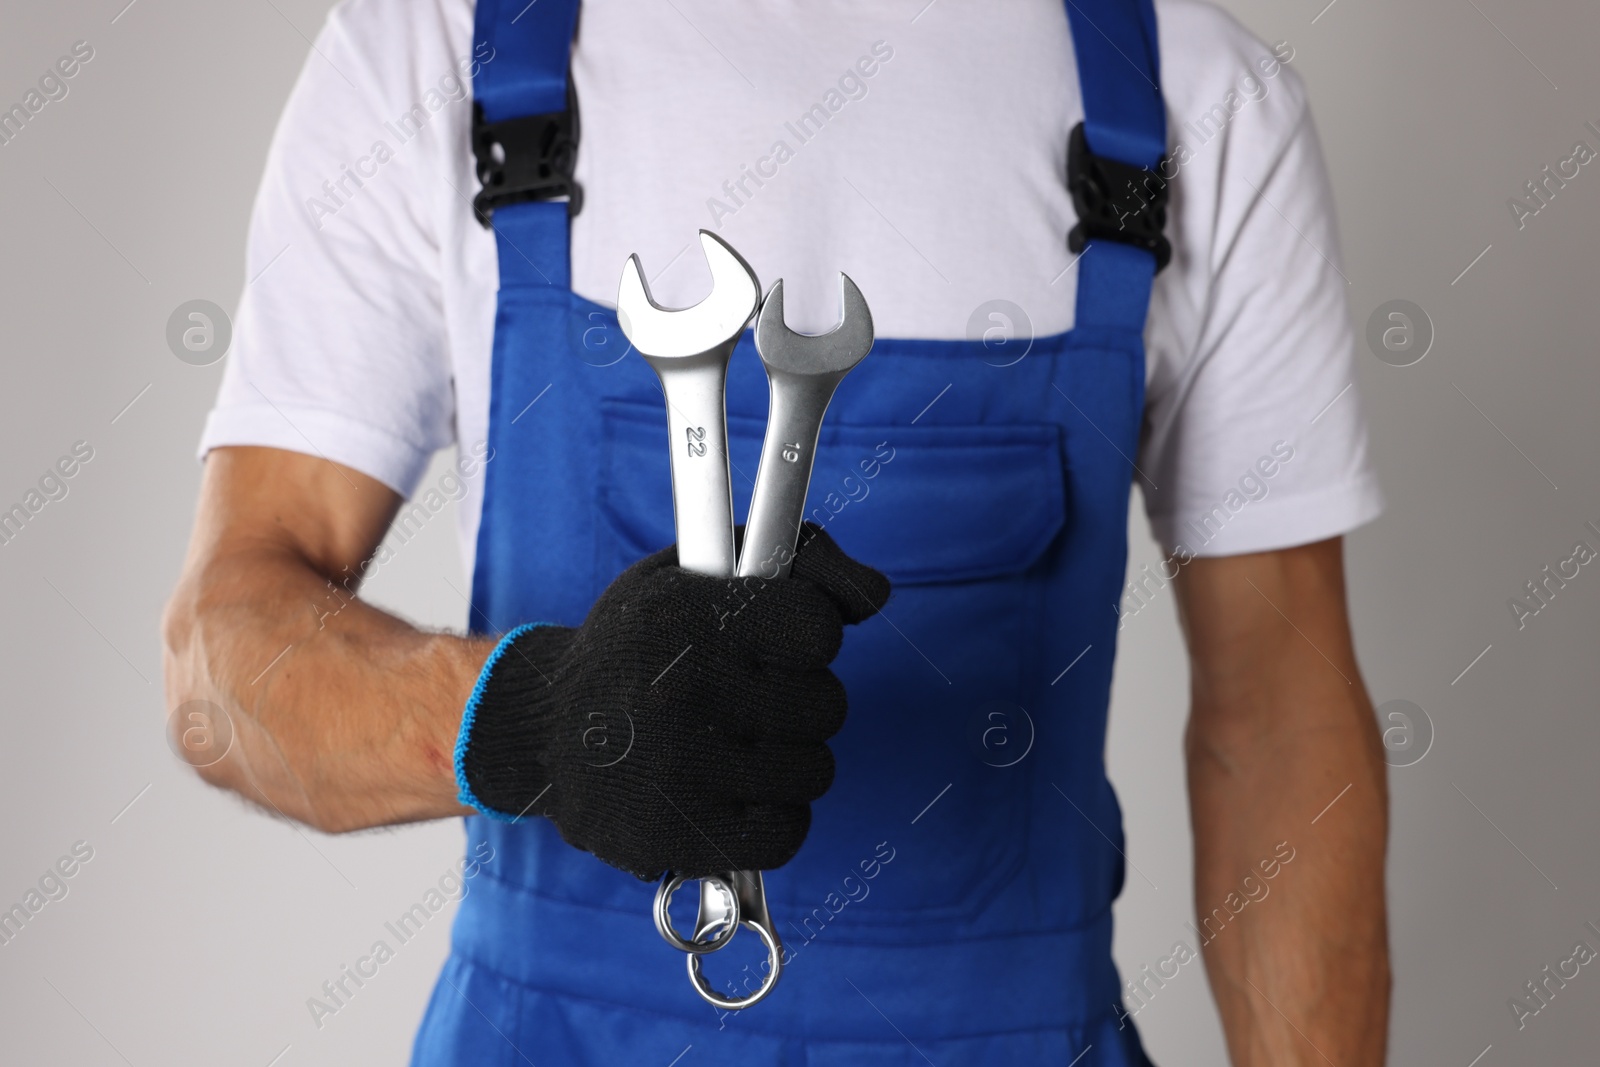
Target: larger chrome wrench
{"type": "Point", "coordinates": [689, 351]}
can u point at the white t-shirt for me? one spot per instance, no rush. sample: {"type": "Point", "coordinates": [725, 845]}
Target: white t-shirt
{"type": "Point", "coordinates": [936, 182]}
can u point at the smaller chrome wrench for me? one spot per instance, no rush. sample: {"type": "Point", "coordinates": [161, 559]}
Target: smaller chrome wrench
{"type": "Point", "coordinates": [802, 374]}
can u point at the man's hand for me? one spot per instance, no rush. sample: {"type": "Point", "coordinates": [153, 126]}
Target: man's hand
{"type": "Point", "coordinates": [684, 725]}
{"type": "Point", "coordinates": [1282, 747]}
{"type": "Point", "coordinates": [343, 716]}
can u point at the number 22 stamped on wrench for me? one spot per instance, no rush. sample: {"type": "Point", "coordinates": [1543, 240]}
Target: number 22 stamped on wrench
{"type": "Point", "coordinates": [689, 350]}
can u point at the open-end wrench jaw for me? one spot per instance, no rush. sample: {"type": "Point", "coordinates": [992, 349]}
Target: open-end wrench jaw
{"type": "Point", "coordinates": [665, 333]}
{"type": "Point", "coordinates": [835, 352]}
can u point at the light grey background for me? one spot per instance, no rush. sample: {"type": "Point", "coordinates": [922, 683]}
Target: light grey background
{"type": "Point", "coordinates": [199, 929]}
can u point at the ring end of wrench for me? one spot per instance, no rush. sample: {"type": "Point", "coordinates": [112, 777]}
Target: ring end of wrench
{"type": "Point", "coordinates": [724, 925]}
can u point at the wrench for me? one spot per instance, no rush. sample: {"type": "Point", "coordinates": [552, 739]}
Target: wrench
{"type": "Point", "coordinates": [802, 374]}
{"type": "Point", "coordinates": [689, 351]}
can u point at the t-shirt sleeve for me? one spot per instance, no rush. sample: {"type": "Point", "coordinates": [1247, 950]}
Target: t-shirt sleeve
{"type": "Point", "coordinates": [340, 343]}
{"type": "Point", "coordinates": [1254, 437]}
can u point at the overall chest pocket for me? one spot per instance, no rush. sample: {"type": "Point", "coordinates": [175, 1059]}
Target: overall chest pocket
{"type": "Point", "coordinates": [928, 815]}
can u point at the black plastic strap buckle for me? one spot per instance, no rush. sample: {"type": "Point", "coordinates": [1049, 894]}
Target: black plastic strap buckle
{"type": "Point", "coordinates": [528, 158]}
{"type": "Point", "coordinates": [1116, 201]}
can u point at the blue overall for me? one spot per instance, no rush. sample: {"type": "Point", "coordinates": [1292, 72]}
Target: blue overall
{"type": "Point", "coordinates": [953, 901]}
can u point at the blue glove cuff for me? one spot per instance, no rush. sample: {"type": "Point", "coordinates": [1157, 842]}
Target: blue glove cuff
{"type": "Point", "coordinates": [468, 717]}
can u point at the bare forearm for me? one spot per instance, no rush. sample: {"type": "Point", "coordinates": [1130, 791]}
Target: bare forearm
{"type": "Point", "coordinates": [343, 716]}
{"type": "Point", "coordinates": [1293, 910]}
{"type": "Point", "coordinates": [1289, 805]}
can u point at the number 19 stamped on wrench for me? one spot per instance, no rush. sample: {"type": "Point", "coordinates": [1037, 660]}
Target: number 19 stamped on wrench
{"type": "Point", "coordinates": [689, 350]}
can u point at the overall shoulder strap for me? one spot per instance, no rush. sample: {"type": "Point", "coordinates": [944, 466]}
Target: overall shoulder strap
{"type": "Point", "coordinates": [525, 135]}
{"type": "Point", "coordinates": [1115, 161]}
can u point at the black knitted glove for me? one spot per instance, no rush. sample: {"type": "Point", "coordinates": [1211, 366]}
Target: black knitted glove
{"type": "Point", "coordinates": [683, 726]}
